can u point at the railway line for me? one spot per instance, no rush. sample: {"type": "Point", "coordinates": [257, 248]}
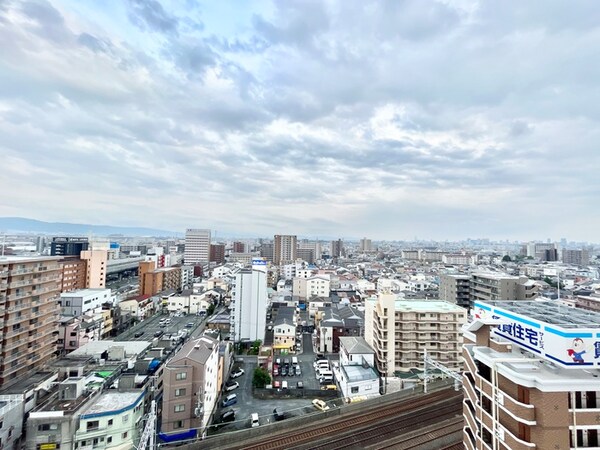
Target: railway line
{"type": "Point", "coordinates": [381, 424]}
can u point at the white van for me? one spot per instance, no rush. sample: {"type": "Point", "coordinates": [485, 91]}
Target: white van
{"type": "Point", "coordinates": [294, 360]}
{"type": "Point", "coordinates": [254, 420]}
{"type": "Point", "coordinates": [284, 385]}
{"type": "Point", "coordinates": [325, 374]}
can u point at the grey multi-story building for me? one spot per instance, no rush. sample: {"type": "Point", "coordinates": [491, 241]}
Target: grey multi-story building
{"type": "Point", "coordinates": [500, 286]}
{"type": "Point", "coordinates": [284, 249]}
{"type": "Point", "coordinates": [456, 288]}
{"type": "Point", "coordinates": [576, 257]}
{"type": "Point", "coordinates": [197, 246]}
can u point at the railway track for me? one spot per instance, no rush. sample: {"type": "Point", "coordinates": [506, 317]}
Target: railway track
{"type": "Point", "coordinates": [340, 428]}
{"type": "Point", "coordinates": [416, 441]}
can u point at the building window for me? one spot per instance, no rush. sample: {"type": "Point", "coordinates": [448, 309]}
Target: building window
{"type": "Point", "coordinates": [109, 439]}
{"type": "Point", "coordinates": [179, 408]}
{"type": "Point", "coordinates": [179, 392]}
{"type": "Point", "coordinates": [93, 425]}
{"type": "Point", "coordinates": [181, 376]}
{"type": "Point", "coordinates": [126, 418]}
{"type": "Point", "coordinates": [110, 422]}
{"type": "Point", "coordinates": [354, 389]}
{"type": "Point", "coordinates": [43, 427]}
{"type": "Point", "coordinates": [124, 435]}
{"type": "Point", "coordinates": [178, 424]}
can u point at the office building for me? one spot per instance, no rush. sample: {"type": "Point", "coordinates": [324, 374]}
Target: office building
{"type": "Point", "coordinates": [84, 301]}
{"type": "Point", "coordinates": [531, 377]}
{"type": "Point", "coordinates": [576, 257]}
{"type": "Point", "coordinates": [68, 246]}
{"type": "Point", "coordinates": [284, 249]}
{"type": "Point", "coordinates": [197, 246]}
{"type": "Point", "coordinates": [190, 389]}
{"type": "Point", "coordinates": [96, 263]}
{"type": "Point", "coordinates": [266, 251]}
{"type": "Point", "coordinates": [29, 293]}
{"type": "Point", "coordinates": [249, 303]}
{"type": "Point", "coordinates": [401, 330]}
{"type": "Point", "coordinates": [456, 289]}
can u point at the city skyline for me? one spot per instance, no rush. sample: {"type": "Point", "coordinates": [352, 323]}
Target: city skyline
{"type": "Point", "coordinates": [387, 120]}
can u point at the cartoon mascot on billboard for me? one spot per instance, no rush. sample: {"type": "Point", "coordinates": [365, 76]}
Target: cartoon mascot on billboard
{"type": "Point", "coordinates": [577, 351]}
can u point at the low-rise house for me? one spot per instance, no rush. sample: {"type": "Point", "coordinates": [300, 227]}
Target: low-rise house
{"type": "Point", "coordinates": [355, 373]}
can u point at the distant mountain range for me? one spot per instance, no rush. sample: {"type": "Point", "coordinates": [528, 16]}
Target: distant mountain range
{"type": "Point", "coordinates": [23, 225]}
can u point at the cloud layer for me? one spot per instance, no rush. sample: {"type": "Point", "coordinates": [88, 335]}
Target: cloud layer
{"type": "Point", "coordinates": [446, 119]}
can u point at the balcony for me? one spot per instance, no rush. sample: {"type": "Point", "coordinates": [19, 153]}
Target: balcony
{"type": "Point", "coordinates": [33, 281]}
{"type": "Point", "coordinates": [20, 307]}
{"type": "Point", "coordinates": [523, 412]}
{"type": "Point", "coordinates": [484, 386]}
{"type": "Point", "coordinates": [9, 345]}
{"type": "Point", "coordinates": [16, 332]}
{"type": "Point", "coordinates": [510, 442]}
{"type": "Point", "coordinates": [469, 418]}
{"type": "Point", "coordinates": [470, 390]}
{"type": "Point", "coordinates": [13, 356]}
{"type": "Point", "coordinates": [470, 362]}
{"type": "Point", "coordinates": [468, 440]}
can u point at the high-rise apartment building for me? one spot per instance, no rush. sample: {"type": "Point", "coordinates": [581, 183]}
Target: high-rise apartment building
{"type": "Point", "coordinates": [74, 274]}
{"type": "Point", "coordinates": [29, 293]}
{"type": "Point", "coordinates": [96, 264]}
{"type": "Point", "coordinates": [68, 246]}
{"type": "Point", "coordinates": [336, 249]}
{"type": "Point", "coordinates": [365, 245]}
{"type": "Point", "coordinates": [531, 379]}
{"type": "Point", "coordinates": [576, 257]}
{"type": "Point", "coordinates": [217, 253]}
{"type": "Point", "coordinates": [249, 299]}
{"type": "Point", "coordinates": [498, 286]}
{"type": "Point", "coordinates": [266, 251]}
{"type": "Point", "coordinates": [401, 330]}
{"type": "Point", "coordinates": [456, 288]}
{"type": "Point", "coordinates": [284, 249]}
{"type": "Point", "coordinates": [238, 247]}
{"type": "Point", "coordinates": [315, 246]}
{"type": "Point", "coordinates": [197, 246]}
{"type": "Point", "coordinates": [154, 280]}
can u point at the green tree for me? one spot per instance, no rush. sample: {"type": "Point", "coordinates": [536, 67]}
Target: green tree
{"type": "Point", "coordinates": [506, 258]}
{"type": "Point", "coordinates": [210, 310]}
{"type": "Point", "coordinates": [260, 378]}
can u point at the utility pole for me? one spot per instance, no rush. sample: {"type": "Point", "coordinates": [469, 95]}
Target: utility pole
{"type": "Point", "coordinates": [437, 365]}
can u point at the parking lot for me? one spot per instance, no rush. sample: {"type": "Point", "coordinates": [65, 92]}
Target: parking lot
{"type": "Point", "coordinates": [290, 407]}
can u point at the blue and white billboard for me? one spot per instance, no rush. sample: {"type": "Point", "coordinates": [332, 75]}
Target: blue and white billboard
{"type": "Point", "coordinates": [567, 347]}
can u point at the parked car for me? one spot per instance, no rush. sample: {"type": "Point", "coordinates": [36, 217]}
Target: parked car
{"type": "Point", "coordinates": [277, 416]}
{"type": "Point", "coordinates": [284, 371]}
{"type": "Point", "coordinates": [237, 373]}
{"type": "Point", "coordinates": [320, 404]}
{"type": "Point", "coordinates": [298, 371]}
{"type": "Point", "coordinates": [227, 416]}
{"type": "Point", "coordinates": [319, 356]}
{"type": "Point", "coordinates": [276, 384]}
{"type": "Point", "coordinates": [231, 399]}
{"type": "Point", "coordinates": [291, 371]}
{"type": "Point", "coordinates": [275, 370]}
{"type": "Point", "coordinates": [189, 325]}
{"type": "Point", "coordinates": [300, 385]}
{"type": "Point", "coordinates": [329, 387]}
{"type": "Point", "coordinates": [254, 420]}
{"type": "Point", "coordinates": [231, 385]}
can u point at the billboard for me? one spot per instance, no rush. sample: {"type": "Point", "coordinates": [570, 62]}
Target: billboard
{"type": "Point", "coordinates": [567, 347]}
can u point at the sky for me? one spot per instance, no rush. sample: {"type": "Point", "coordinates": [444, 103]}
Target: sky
{"type": "Point", "coordinates": [385, 119]}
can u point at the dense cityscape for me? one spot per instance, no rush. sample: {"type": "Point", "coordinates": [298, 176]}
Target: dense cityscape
{"type": "Point", "coordinates": [299, 225]}
{"type": "Point", "coordinates": [127, 342]}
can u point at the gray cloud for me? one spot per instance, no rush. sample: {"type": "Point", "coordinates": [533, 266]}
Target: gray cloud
{"type": "Point", "coordinates": [386, 119]}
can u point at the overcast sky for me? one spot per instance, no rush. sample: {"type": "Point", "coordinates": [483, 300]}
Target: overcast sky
{"type": "Point", "coordinates": [390, 120]}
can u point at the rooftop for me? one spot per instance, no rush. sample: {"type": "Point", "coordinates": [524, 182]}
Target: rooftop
{"type": "Point", "coordinates": [359, 373]}
{"type": "Point", "coordinates": [427, 306]}
{"type": "Point", "coordinates": [550, 312]}
{"type": "Point", "coordinates": [84, 292]}
{"type": "Point", "coordinates": [356, 345]}
{"type": "Point", "coordinates": [20, 259]}
{"type": "Point", "coordinates": [113, 401]}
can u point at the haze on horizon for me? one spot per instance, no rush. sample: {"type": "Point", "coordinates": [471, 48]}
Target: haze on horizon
{"type": "Point", "coordinates": [386, 119]}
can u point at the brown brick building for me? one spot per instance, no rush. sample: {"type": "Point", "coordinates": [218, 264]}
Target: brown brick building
{"type": "Point", "coordinates": [74, 272]}
{"type": "Point", "coordinates": [29, 292]}
{"type": "Point", "coordinates": [153, 281]}
{"type": "Point", "coordinates": [531, 377]}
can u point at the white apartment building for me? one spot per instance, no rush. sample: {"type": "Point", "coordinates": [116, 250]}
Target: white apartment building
{"type": "Point", "coordinates": [314, 286]}
{"type": "Point", "coordinates": [188, 303]}
{"type": "Point", "coordinates": [197, 246]}
{"type": "Point", "coordinates": [82, 301]}
{"type": "Point", "coordinates": [249, 302]}
{"type": "Point", "coordinates": [400, 331]}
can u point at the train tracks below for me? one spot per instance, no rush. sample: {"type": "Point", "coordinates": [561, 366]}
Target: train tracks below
{"type": "Point", "coordinates": [409, 424]}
